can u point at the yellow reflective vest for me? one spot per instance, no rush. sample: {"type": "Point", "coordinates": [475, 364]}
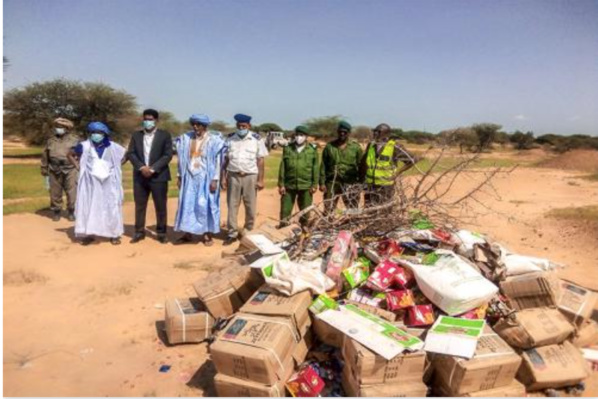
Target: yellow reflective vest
{"type": "Point", "coordinates": [381, 168]}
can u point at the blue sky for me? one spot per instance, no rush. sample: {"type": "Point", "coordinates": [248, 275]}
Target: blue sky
{"type": "Point", "coordinates": [433, 65]}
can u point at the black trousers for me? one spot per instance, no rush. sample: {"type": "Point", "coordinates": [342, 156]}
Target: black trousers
{"type": "Point", "coordinates": [142, 188]}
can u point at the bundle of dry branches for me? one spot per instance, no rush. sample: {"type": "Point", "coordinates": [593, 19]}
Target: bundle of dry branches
{"type": "Point", "coordinates": [431, 192]}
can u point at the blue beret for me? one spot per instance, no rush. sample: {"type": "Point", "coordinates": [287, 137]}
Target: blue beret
{"type": "Point", "coordinates": [242, 118]}
{"type": "Point", "coordinates": [200, 118]}
{"type": "Point", "coordinates": [98, 127]}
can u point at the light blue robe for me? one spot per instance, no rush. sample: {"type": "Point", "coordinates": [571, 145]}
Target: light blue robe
{"type": "Point", "coordinates": [199, 209]}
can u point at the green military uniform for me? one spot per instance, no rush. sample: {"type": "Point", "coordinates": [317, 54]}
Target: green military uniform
{"type": "Point", "coordinates": [298, 173]}
{"type": "Point", "coordinates": [339, 170]}
{"type": "Point", "coordinates": [63, 175]}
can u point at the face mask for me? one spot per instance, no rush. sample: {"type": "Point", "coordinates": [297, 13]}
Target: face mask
{"type": "Point", "coordinates": [242, 132]}
{"type": "Point", "coordinates": [60, 131]}
{"type": "Point", "coordinates": [149, 125]}
{"type": "Point", "coordinates": [300, 139]}
{"type": "Point", "coordinates": [97, 137]}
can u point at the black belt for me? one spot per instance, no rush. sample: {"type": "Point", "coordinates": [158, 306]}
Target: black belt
{"type": "Point", "coordinates": [242, 174]}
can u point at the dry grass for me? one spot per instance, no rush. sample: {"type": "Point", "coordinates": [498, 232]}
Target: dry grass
{"type": "Point", "coordinates": [193, 265]}
{"type": "Point", "coordinates": [584, 213]}
{"type": "Point", "coordinates": [23, 277]}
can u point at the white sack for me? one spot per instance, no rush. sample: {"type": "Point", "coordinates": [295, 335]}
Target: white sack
{"type": "Point", "coordinates": [290, 277]}
{"type": "Point", "coordinates": [452, 284]}
{"type": "Point", "coordinates": [466, 240]}
{"type": "Point", "coordinates": [521, 264]}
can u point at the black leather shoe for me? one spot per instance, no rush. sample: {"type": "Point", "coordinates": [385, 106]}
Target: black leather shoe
{"type": "Point", "coordinates": [162, 238]}
{"type": "Point", "coordinates": [71, 217]}
{"type": "Point", "coordinates": [56, 216]}
{"type": "Point", "coordinates": [229, 241]}
{"type": "Point", "coordinates": [137, 237]}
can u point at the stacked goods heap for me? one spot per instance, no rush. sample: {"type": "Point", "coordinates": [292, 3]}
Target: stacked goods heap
{"type": "Point", "coordinates": [405, 313]}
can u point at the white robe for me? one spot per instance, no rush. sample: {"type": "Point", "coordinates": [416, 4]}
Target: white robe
{"type": "Point", "coordinates": [99, 207]}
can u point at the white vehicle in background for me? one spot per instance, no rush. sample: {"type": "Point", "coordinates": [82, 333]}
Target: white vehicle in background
{"type": "Point", "coordinates": [275, 140]}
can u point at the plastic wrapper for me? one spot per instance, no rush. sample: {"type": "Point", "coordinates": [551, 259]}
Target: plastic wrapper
{"type": "Point", "coordinates": [420, 316]}
{"type": "Point", "coordinates": [305, 383]}
{"type": "Point", "coordinates": [401, 299]}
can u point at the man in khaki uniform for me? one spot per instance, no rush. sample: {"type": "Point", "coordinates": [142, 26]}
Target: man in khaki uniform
{"type": "Point", "coordinates": [62, 174]}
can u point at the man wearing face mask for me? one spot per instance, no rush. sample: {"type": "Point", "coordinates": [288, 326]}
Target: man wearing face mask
{"type": "Point", "coordinates": [100, 192]}
{"type": "Point", "coordinates": [242, 174]}
{"type": "Point", "coordinates": [199, 155]}
{"type": "Point", "coordinates": [150, 152]}
{"type": "Point", "coordinates": [340, 169]}
{"type": "Point", "coordinates": [297, 175]}
{"type": "Point", "coordinates": [380, 165]}
{"type": "Point", "coordinates": [62, 175]}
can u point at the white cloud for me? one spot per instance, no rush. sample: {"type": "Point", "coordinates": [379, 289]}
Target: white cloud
{"type": "Point", "coordinates": [575, 118]}
{"type": "Point", "coordinates": [520, 117]}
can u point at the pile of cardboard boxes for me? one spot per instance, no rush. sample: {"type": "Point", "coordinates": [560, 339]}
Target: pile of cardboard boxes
{"type": "Point", "coordinates": [259, 337]}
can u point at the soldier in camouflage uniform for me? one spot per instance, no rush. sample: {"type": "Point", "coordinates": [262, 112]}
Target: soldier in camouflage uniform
{"type": "Point", "coordinates": [62, 174]}
{"type": "Point", "coordinates": [297, 175]}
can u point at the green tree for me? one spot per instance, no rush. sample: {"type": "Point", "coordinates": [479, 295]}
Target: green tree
{"type": "Point", "coordinates": [522, 141]}
{"type": "Point", "coordinates": [30, 110]}
{"type": "Point", "coordinates": [268, 127]}
{"type": "Point", "coordinates": [324, 126]}
{"type": "Point", "coordinates": [464, 137]}
{"type": "Point", "coordinates": [486, 134]}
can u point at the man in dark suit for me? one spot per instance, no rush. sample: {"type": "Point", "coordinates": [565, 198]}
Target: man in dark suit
{"type": "Point", "coordinates": [150, 152]}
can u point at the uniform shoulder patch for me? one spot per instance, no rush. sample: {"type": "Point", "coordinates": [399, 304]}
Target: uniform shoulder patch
{"type": "Point", "coordinates": [256, 136]}
{"type": "Point", "coordinates": [230, 135]}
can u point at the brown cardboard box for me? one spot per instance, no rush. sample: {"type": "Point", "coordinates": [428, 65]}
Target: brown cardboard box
{"type": "Point", "coordinates": [531, 290]}
{"type": "Point", "coordinates": [227, 386]}
{"type": "Point", "coordinates": [268, 302]}
{"type": "Point", "coordinates": [187, 321]}
{"type": "Point", "coordinates": [388, 389]}
{"type": "Point", "coordinates": [530, 328]}
{"type": "Point", "coordinates": [552, 366]}
{"type": "Point", "coordinates": [513, 390]}
{"type": "Point", "coordinates": [576, 303]}
{"type": "Point", "coordinates": [369, 368]}
{"type": "Point", "coordinates": [385, 314]}
{"type": "Point", "coordinates": [256, 348]}
{"type": "Point", "coordinates": [225, 291]}
{"type": "Point", "coordinates": [586, 335]}
{"type": "Point", "coordinates": [493, 365]}
{"type": "Point", "coordinates": [327, 334]}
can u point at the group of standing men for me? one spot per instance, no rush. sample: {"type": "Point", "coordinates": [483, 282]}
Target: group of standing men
{"type": "Point", "coordinates": [90, 172]}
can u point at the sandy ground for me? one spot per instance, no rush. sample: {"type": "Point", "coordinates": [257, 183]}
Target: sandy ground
{"type": "Point", "coordinates": [85, 321]}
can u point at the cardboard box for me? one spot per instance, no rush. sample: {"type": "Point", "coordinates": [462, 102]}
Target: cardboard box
{"type": "Point", "coordinates": [493, 365]}
{"type": "Point", "coordinates": [531, 328]}
{"type": "Point", "coordinates": [187, 321]}
{"type": "Point", "coordinates": [385, 314]}
{"type": "Point", "coordinates": [586, 335]}
{"type": "Point", "coordinates": [552, 366]}
{"type": "Point", "coordinates": [227, 386]}
{"type": "Point", "coordinates": [390, 389]}
{"type": "Point", "coordinates": [225, 291]}
{"type": "Point", "coordinates": [256, 348]}
{"type": "Point", "coordinates": [576, 303]}
{"type": "Point", "coordinates": [305, 382]}
{"type": "Point", "coordinates": [531, 290]}
{"type": "Point", "coordinates": [268, 302]}
{"type": "Point", "coordinates": [513, 390]}
{"type": "Point", "coordinates": [369, 368]}
{"type": "Point", "coordinates": [327, 334]}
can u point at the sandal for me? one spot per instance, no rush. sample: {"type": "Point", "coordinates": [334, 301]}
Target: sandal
{"type": "Point", "coordinates": [86, 241]}
{"type": "Point", "coordinates": [184, 239]}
